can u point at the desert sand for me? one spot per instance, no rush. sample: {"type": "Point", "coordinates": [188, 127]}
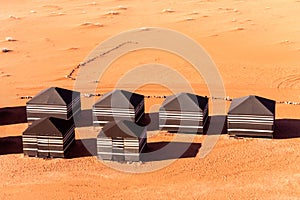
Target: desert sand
{"type": "Point", "coordinates": [255, 45]}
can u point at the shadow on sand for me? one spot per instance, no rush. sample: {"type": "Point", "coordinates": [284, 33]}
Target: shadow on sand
{"type": "Point", "coordinates": [11, 145]}
{"type": "Point", "coordinates": [157, 151]}
{"type": "Point", "coordinates": [287, 128]}
{"type": "Point", "coordinates": [13, 115]}
{"type": "Point", "coordinates": [151, 120]}
{"type": "Point", "coordinates": [84, 118]}
{"type": "Point", "coordinates": [83, 148]}
{"type": "Point", "coordinates": [217, 125]}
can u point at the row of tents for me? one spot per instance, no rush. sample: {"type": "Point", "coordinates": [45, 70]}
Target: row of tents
{"type": "Point", "coordinates": [50, 115]}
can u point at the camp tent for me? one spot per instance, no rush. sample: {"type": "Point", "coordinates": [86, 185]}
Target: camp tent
{"type": "Point", "coordinates": [48, 137]}
{"type": "Point", "coordinates": [184, 112]}
{"type": "Point", "coordinates": [121, 140]}
{"type": "Point", "coordinates": [251, 116]}
{"type": "Point", "coordinates": [118, 105]}
{"type": "Point", "coordinates": [53, 102]}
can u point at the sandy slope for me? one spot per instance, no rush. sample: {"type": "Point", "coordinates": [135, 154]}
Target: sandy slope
{"type": "Point", "coordinates": [255, 45]}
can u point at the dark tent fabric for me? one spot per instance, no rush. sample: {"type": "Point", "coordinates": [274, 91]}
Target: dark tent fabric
{"type": "Point", "coordinates": [185, 101]}
{"type": "Point", "coordinates": [54, 96]}
{"type": "Point", "coordinates": [48, 137]}
{"type": "Point", "coordinates": [118, 105]}
{"type": "Point", "coordinates": [251, 116]}
{"type": "Point", "coordinates": [184, 112]}
{"type": "Point", "coordinates": [53, 102]}
{"type": "Point", "coordinates": [124, 129]}
{"type": "Point", "coordinates": [253, 105]}
{"type": "Point", "coordinates": [120, 99]}
{"type": "Point", "coordinates": [121, 140]}
{"type": "Point", "coordinates": [13, 115]}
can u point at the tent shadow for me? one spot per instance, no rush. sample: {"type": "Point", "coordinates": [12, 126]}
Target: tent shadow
{"type": "Point", "coordinates": [84, 118]}
{"type": "Point", "coordinates": [151, 120]}
{"type": "Point", "coordinates": [83, 148]}
{"type": "Point", "coordinates": [217, 125]}
{"type": "Point", "coordinates": [11, 145]}
{"type": "Point", "coordinates": [13, 115]}
{"type": "Point", "coordinates": [287, 128]}
{"type": "Point", "coordinates": [158, 151]}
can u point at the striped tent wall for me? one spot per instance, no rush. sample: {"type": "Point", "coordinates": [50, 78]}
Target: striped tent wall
{"type": "Point", "coordinates": [118, 105]}
{"type": "Point", "coordinates": [44, 140]}
{"type": "Point", "coordinates": [53, 146]}
{"type": "Point", "coordinates": [104, 148]}
{"type": "Point", "coordinates": [134, 147]}
{"type": "Point", "coordinates": [179, 119]}
{"type": "Point", "coordinates": [101, 116]}
{"type": "Point", "coordinates": [49, 103]}
{"type": "Point", "coordinates": [30, 145]}
{"type": "Point", "coordinates": [120, 149]}
{"type": "Point", "coordinates": [251, 116]}
{"type": "Point", "coordinates": [251, 125]}
{"type": "Point", "coordinates": [119, 146]}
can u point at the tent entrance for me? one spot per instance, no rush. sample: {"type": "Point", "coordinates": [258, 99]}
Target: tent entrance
{"type": "Point", "coordinates": [43, 147]}
{"type": "Point", "coordinates": [118, 149]}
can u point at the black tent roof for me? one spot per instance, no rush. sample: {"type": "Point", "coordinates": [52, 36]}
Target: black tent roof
{"type": "Point", "coordinates": [185, 102]}
{"type": "Point", "coordinates": [252, 105]}
{"type": "Point", "coordinates": [120, 99]}
{"type": "Point", "coordinates": [55, 96]}
{"type": "Point", "coordinates": [49, 126]}
{"type": "Point", "coordinates": [122, 128]}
